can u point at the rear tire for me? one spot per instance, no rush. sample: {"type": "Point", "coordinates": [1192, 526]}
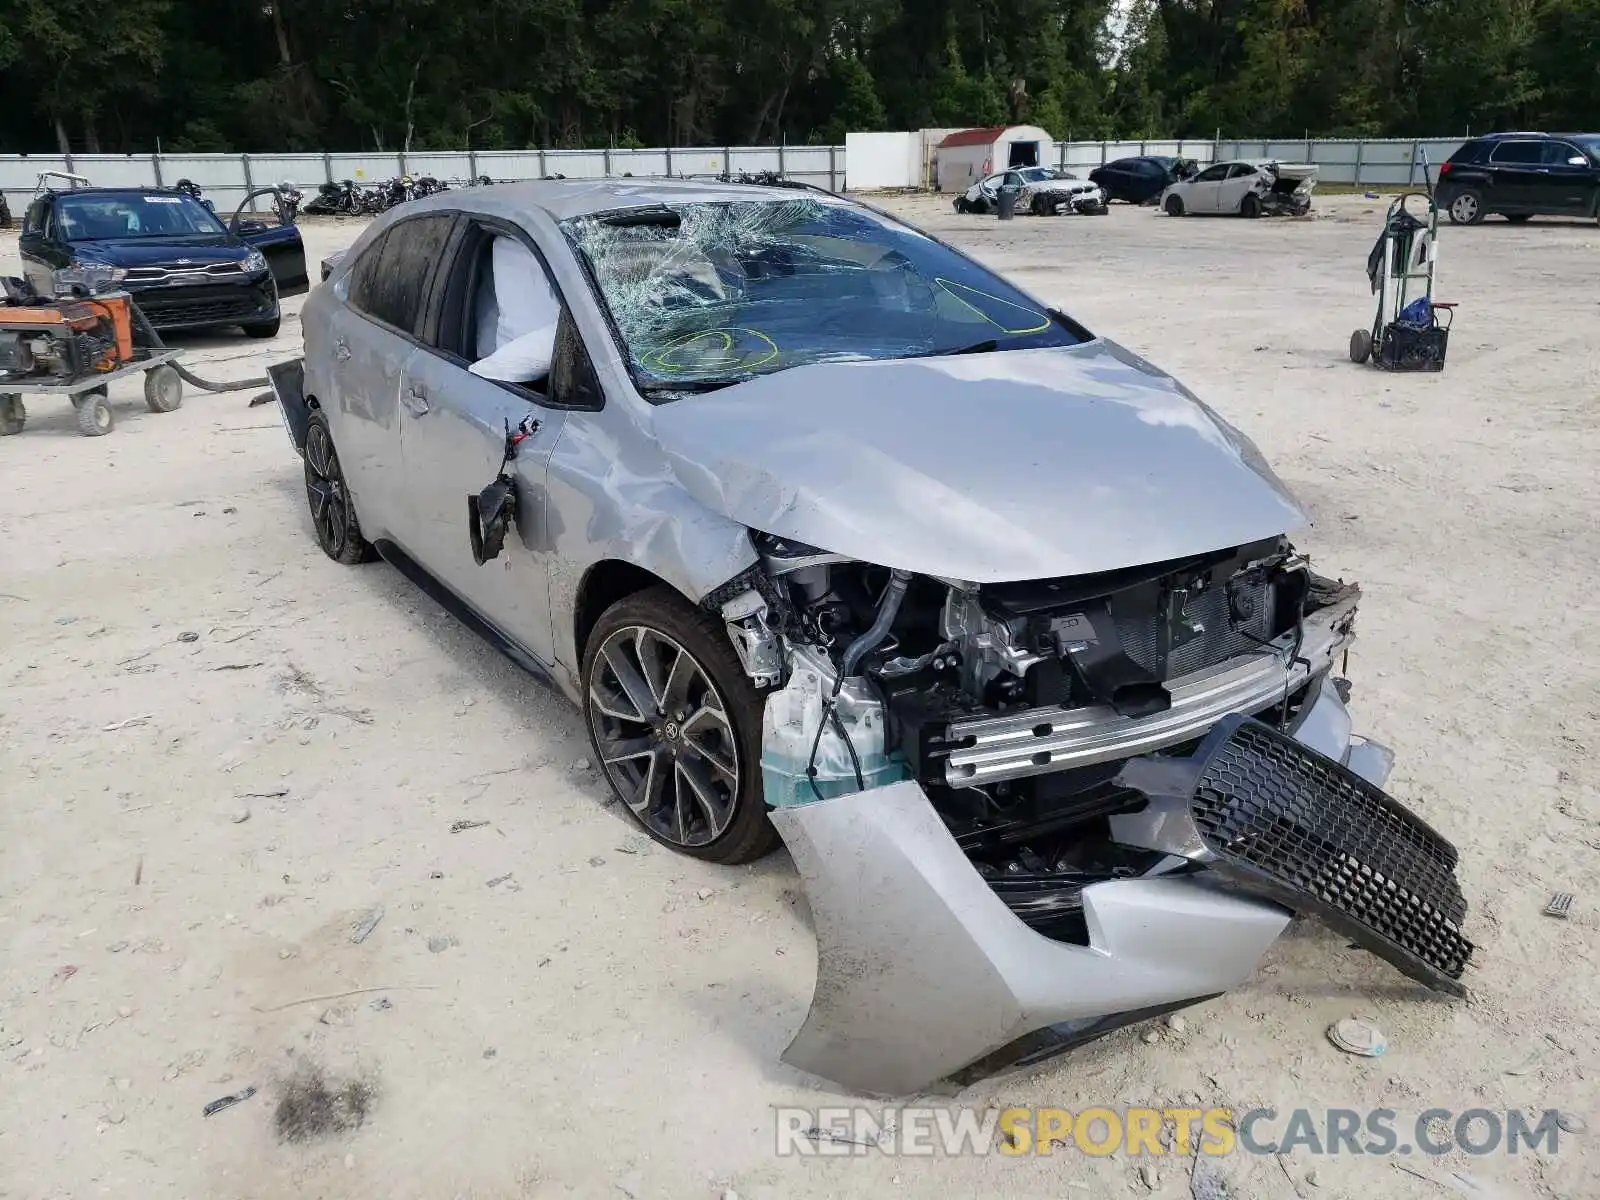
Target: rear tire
{"type": "Point", "coordinates": [263, 329]}
{"type": "Point", "coordinates": [13, 414]}
{"type": "Point", "coordinates": [93, 413]}
{"type": "Point", "coordinates": [1519, 218]}
{"type": "Point", "coordinates": [666, 770]}
{"type": "Point", "coordinates": [1466, 208]}
{"type": "Point", "coordinates": [333, 514]}
{"type": "Point", "coordinates": [1174, 206]}
{"type": "Point", "coordinates": [163, 390]}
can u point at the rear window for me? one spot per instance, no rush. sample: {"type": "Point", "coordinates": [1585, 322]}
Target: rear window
{"type": "Point", "coordinates": [1471, 152]}
{"type": "Point", "coordinates": [1516, 153]}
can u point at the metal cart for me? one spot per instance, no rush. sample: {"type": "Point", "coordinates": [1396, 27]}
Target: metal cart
{"type": "Point", "coordinates": [163, 392]}
{"type": "Point", "coordinates": [1407, 333]}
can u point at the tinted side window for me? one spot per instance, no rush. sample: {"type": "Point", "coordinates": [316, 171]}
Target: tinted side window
{"type": "Point", "coordinates": [1470, 153]}
{"type": "Point", "coordinates": [1557, 154]}
{"type": "Point", "coordinates": [395, 286]}
{"type": "Point", "coordinates": [1212, 174]}
{"type": "Point", "coordinates": [364, 276]}
{"type": "Point", "coordinates": [1518, 152]}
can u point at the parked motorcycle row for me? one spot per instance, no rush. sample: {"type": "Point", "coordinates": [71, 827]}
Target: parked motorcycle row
{"type": "Point", "coordinates": [348, 198]}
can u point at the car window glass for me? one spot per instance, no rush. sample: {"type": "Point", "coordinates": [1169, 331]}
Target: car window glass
{"type": "Point", "coordinates": [1557, 154]}
{"type": "Point", "coordinates": [364, 275]}
{"type": "Point", "coordinates": [1212, 174]}
{"type": "Point", "coordinates": [34, 222]}
{"type": "Point", "coordinates": [1239, 170]}
{"type": "Point", "coordinates": [396, 293]}
{"type": "Point", "coordinates": [1518, 152]}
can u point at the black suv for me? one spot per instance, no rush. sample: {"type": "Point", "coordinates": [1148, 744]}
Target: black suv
{"type": "Point", "coordinates": [1522, 174]}
{"type": "Point", "coordinates": [184, 267]}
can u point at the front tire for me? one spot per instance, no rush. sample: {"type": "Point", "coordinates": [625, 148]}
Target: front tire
{"type": "Point", "coordinates": [1042, 206]}
{"type": "Point", "coordinates": [263, 329]}
{"type": "Point", "coordinates": [1250, 206]}
{"type": "Point", "coordinates": [332, 512]}
{"type": "Point", "coordinates": [93, 413]}
{"type": "Point", "coordinates": [675, 724]}
{"type": "Point", "coordinates": [1519, 218]}
{"type": "Point", "coordinates": [1174, 206]}
{"type": "Point", "coordinates": [1466, 208]}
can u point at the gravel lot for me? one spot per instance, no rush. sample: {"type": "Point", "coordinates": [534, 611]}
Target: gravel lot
{"type": "Point", "coordinates": [190, 826]}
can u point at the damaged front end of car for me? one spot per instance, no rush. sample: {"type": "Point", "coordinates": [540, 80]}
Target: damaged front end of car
{"type": "Point", "coordinates": [1028, 813]}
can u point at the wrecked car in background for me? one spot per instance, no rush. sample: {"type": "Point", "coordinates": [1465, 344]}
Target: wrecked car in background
{"type": "Point", "coordinates": [839, 537]}
{"type": "Point", "coordinates": [1042, 191]}
{"type": "Point", "coordinates": [1142, 178]}
{"type": "Point", "coordinates": [1250, 189]}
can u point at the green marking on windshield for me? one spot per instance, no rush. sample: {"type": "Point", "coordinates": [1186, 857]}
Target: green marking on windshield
{"type": "Point", "coordinates": [720, 343]}
{"type": "Point", "coordinates": [960, 292]}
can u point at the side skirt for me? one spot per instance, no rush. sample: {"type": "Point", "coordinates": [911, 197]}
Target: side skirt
{"type": "Point", "coordinates": [462, 611]}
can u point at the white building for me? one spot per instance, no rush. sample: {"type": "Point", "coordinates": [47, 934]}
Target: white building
{"type": "Point", "coordinates": [966, 156]}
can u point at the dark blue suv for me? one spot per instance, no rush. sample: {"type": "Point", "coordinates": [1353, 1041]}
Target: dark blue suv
{"type": "Point", "coordinates": [186, 269]}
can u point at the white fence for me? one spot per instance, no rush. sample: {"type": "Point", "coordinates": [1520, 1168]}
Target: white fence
{"type": "Point", "coordinates": [227, 177]}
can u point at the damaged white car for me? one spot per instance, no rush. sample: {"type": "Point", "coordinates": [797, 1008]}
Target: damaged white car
{"type": "Point", "coordinates": [1042, 191]}
{"type": "Point", "coordinates": [1257, 188]}
{"type": "Point", "coordinates": [838, 537]}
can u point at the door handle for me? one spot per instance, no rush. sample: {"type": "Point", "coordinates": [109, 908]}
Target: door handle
{"type": "Point", "coordinates": [341, 350]}
{"type": "Point", "coordinates": [417, 399]}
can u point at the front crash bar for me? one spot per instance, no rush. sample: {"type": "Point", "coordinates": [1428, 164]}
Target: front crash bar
{"type": "Point", "coordinates": [923, 970]}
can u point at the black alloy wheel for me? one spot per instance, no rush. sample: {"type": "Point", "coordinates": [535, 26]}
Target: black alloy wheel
{"type": "Point", "coordinates": [338, 532]}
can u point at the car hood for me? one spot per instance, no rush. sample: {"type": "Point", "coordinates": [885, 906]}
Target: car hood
{"type": "Point", "coordinates": [199, 249]}
{"type": "Point", "coordinates": [1022, 464]}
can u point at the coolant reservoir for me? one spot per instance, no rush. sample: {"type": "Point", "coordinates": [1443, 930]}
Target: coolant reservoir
{"type": "Point", "coordinates": [789, 730]}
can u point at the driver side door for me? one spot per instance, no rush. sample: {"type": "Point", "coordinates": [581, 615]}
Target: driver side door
{"type": "Point", "coordinates": [454, 431]}
{"type": "Point", "coordinates": [1204, 193]}
{"type": "Point", "coordinates": [275, 234]}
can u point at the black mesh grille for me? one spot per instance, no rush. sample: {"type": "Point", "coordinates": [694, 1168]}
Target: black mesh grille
{"type": "Point", "coordinates": [1220, 641]}
{"type": "Point", "coordinates": [1287, 822]}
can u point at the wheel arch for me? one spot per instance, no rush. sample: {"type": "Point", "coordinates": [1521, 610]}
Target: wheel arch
{"type": "Point", "coordinates": [602, 585]}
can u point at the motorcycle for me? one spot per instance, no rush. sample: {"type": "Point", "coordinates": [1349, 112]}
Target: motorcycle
{"type": "Point", "coordinates": [290, 197]}
{"type": "Point", "coordinates": [192, 189]}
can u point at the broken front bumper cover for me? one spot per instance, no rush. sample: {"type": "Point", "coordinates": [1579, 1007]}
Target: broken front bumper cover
{"type": "Point", "coordinates": [923, 971]}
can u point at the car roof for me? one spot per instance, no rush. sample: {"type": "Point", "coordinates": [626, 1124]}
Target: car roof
{"type": "Point", "coordinates": [563, 199]}
{"type": "Point", "coordinates": [1531, 133]}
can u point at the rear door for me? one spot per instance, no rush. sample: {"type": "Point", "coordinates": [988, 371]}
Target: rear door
{"type": "Point", "coordinates": [1570, 181]}
{"type": "Point", "coordinates": [454, 427]}
{"type": "Point", "coordinates": [1240, 180]}
{"type": "Point", "coordinates": [1518, 178]}
{"type": "Point", "coordinates": [270, 229]}
{"type": "Point", "coordinates": [373, 335]}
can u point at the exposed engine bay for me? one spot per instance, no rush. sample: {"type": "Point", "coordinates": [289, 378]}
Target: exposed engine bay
{"type": "Point", "coordinates": [1066, 732]}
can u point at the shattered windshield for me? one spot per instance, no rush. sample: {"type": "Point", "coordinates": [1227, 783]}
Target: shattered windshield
{"type": "Point", "coordinates": [705, 295]}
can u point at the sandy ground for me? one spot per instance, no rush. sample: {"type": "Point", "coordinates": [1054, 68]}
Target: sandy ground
{"type": "Point", "coordinates": [190, 825]}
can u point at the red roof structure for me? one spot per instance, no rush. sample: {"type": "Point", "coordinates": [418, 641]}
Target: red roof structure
{"type": "Point", "coordinates": [974, 137]}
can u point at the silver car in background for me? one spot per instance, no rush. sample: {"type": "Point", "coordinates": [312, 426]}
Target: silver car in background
{"type": "Point", "coordinates": [840, 538]}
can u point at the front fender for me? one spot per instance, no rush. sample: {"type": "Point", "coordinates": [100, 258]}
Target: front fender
{"type": "Point", "coordinates": [612, 498]}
